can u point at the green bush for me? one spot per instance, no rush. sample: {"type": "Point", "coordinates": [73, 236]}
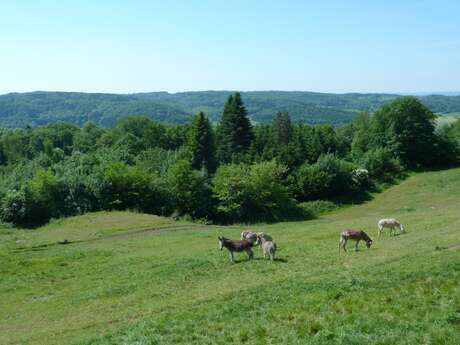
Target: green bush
{"type": "Point", "coordinates": [252, 192]}
{"type": "Point", "coordinates": [127, 187]}
{"type": "Point", "coordinates": [14, 207]}
{"type": "Point", "coordinates": [190, 191]}
{"type": "Point", "coordinates": [328, 177]}
{"type": "Point", "coordinates": [36, 202]}
{"type": "Point", "coordinates": [381, 164]}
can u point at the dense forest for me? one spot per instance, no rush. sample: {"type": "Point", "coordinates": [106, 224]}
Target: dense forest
{"type": "Point", "coordinates": [233, 171]}
{"type": "Point", "coordinates": [105, 110]}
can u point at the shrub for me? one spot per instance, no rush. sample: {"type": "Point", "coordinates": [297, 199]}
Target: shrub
{"type": "Point", "coordinates": [447, 151]}
{"type": "Point", "coordinates": [35, 202]}
{"type": "Point", "coordinates": [329, 176]}
{"type": "Point", "coordinates": [381, 164]}
{"type": "Point", "coordinates": [361, 178]}
{"type": "Point", "coordinates": [14, 207]}
{"type": "Point", "coordinates": [44, 195]}
{"type": "Point", "coordinates": [191, 193]}
{"type": "Point", "coordinates": [252, 192]}
{"type": "Point", "coordinates": [126, 187]}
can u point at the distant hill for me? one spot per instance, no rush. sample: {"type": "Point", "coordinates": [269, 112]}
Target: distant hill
{"type": "Point", "coordinates": [40, 108]}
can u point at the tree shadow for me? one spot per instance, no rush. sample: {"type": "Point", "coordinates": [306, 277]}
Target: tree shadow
{"type": "Point", "coordinates": [41, 247]}
{"type": "Point", "coordinates": [354, 198]}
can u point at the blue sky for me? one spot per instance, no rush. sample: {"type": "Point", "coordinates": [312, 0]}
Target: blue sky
{"type": "Point", "coordinates": [325, 46]}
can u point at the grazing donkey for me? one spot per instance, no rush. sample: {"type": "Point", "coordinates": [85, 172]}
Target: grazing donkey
{"type": "Point", "coordinates": [389, 223]}
{"type": "Point", "coordinates": [267, 244]}
{"type": "Point", "coordinates": [354, 235]}
{"type": "Point", "coordinates": [236, 246]}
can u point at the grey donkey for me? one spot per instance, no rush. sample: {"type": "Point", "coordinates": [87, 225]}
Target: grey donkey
{"type": "Point", "coordinates": [268, 246]}
{"type": "Point", "coordinates": [236, 246]}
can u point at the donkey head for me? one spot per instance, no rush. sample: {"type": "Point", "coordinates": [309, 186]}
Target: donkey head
{"type": "Point", "coordinates": [368, 243]}
{"type": "Point", "coordinates": [221, 242]}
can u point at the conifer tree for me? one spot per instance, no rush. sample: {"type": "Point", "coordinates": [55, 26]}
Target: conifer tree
{"type": "Point", "coordinates": [201, 143]}
{"type": "Point", "coordinates": [282, 129]}
{"type": "Point", "coordinates": [235, 132]}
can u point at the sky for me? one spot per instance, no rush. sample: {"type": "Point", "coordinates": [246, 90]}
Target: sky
{"type": "Point", "coordinates": [402, 46]}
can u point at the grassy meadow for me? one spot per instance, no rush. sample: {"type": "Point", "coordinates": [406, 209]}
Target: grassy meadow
{"type": "Point", "coordinates": [129, 278]}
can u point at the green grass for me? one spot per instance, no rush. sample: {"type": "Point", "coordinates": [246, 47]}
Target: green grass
{"type": "Point", "coordinates": [129, 278]}
{"type": "Point", "coordinates": [447, 119]}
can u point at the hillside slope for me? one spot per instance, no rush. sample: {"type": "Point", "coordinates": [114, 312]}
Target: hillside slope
{"type": "Point", "coordinates": [139, 279]}
{"type": "Point", "coordinates": [40, 108]}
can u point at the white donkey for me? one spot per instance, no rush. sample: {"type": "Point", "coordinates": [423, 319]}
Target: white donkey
{"type": "Point", "coordinates": [389, 223]}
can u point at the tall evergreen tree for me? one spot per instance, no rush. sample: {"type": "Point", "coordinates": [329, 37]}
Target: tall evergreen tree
{"type": "Point", "coordinates": [235, 132]}
{"type": "Point", "coordinates": [201, 143]}
{"type": "Point", "coordinates": [262, 147]}
{"type": "Point", "coordinates": [282, 128]}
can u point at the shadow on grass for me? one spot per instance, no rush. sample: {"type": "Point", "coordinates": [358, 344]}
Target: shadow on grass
{"type": "Point", "coordinates": [280, 260]}
{"type": "Point", "coordinates": [284, 261]}
{"type": "Point", "coordinates": [383, 236]}
{"type": "Point", "coordinates": [353, 251]}
{"type": "Point", "coordinates": [354, 198]}
{"type": "Point", "coordinates": [42, 246]}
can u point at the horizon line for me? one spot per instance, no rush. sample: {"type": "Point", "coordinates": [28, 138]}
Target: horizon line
{"type": "Point", "coordinates": [401, 93]}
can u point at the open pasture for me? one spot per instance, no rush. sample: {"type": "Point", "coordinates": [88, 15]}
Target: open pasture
{"type": "Point", "coordinates": [127, 278]}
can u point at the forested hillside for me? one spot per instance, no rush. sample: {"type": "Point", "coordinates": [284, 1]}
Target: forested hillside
{"type": "Point", "coordinates": [235, 171]}
{"type": "Point", "coordinates": [41, 108]}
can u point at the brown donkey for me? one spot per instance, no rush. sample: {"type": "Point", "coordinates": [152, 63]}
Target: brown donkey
{"type": "Point", "coordinates": [236, 246]}
{"type": "Point", "coordinates": [354, 235]}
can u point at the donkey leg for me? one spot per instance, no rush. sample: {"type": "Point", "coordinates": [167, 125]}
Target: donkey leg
{"type": "Point", "coordinates": [356, 246]}
{"type": "Point", "coordinates": [232, 259]}
{"type": "Point", "coordinates": [250, 254]}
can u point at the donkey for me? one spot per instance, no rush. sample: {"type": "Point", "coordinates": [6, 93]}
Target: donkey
{"type": "Point", "coordinates": [236, 246]}
{"type": "Point", "coordinates": [265, 236]}
{"type": "Point", "coordinates": [249, 235]}
{"type": "Point", "coordinates": [389, 223]}
{"type": "Point", "coordinates": [252, 236]}
{"type": "Point", "coordinates": [354, 235]}
{"type": "Point", "coordinates": [267, 244]}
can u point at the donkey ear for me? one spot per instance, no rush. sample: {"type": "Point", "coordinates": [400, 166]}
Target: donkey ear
{"type": "Point", "coordinates": [219, 237]}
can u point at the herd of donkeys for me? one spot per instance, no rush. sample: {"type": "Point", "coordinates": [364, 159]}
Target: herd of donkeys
{"type": "Point", "coordinates": [250, 239]}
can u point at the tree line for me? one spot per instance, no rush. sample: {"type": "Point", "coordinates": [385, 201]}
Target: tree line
{"type": "Point", "coordinates": [233, 171]}
{"type": "Point", "coordinates": [42, 108]}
